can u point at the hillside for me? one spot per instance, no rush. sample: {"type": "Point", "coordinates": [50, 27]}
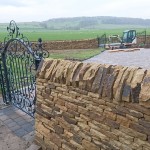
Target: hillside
{"type": "Point", "coordinates": [102, 22]}
{"type": "Point", "coordinates": [82, 23]}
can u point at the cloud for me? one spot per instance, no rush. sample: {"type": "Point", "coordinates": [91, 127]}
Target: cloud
{"type": "Point", "coordinates": [14, 3]}
{"type": "Point", "coordinates": [40, 10]}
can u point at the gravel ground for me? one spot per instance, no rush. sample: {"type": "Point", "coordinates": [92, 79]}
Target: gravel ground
{"type": "Point", "coordinates": [140, 58]}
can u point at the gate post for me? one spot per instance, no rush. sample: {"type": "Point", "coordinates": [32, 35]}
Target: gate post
{"type": "Point", "coordinates": [37, 62]}
{"type": "Point", "coordinates": [7, 97]}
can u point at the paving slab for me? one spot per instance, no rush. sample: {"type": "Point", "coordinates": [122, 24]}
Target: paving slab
{"type": "Point", "coordinates": [16, 128]}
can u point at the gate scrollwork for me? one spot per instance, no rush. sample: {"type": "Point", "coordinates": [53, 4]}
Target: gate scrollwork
{"type": "Point", "coordinates": [19, 61]}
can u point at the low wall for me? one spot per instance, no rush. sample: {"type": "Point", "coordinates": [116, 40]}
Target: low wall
{"type": "Point", "coordinates": [71, 44]}
{"type": "Point", "coordinates": [83, 106]}
{"type": "Point", "coordinates": [143, 41]}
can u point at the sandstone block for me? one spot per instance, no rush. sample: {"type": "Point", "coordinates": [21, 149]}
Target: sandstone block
{"type": "Point", "coordinates": [109, 115]}
{"type": "Point", "coordinates": [71, 106]}
{"type": "Point", "coordinates": [133, 133]}
{"type": "Point", "coordinates": [123, 121]}
{"type": "Point", "coordinates": [77, 145]}
{"type": "Point", "coordinates": [58, 129]}
{"type": "Point", "coordinates": [83, 126]}
{"type": "Point", "coordinates": [140, 128]}
{"type": "Point", "coordinates": [98, 134]}
{"type": "Point", "coordinates": [70, 120]}
{"type": "Point", "coordinates": [89, 145]}
{"type": "Point", "coordinates": [77, 138]}
{"type": "Point", "coordinates": [98, 79]}
{"type": "Point", "coordinates": [85, 135]}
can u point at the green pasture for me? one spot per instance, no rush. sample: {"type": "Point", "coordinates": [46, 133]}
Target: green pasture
{"type": "Point", "coordinates": [48, 35]}
{"type": "Point", "coordinates": [76, 55]}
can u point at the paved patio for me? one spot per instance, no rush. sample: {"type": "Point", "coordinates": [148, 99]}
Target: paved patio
{"type": "Point", "coordinates": [140, 58]}
{"type": "Point", "coordinates": [16, 128]}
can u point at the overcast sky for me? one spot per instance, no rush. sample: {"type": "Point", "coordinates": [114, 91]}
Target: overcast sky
{"type": "Point", "coordinates": [41, 10]}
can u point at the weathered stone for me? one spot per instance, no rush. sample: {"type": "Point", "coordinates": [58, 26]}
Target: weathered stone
{"type": "Point", "coordinates": [45, 65]}
{"type": "Point", "coordinates": [83, 111]}
{"type": "Point", "coordinates": [71, 106]}
{"type": "Point", "coordinates": [133, 133]}
{"type": "Point", "coordinates": [145, 94]}
{"type": "Point", "coordinates": [98, 134]}
{"type": "Point", "coordinates": [85, 135]}
{"type": "Point", "coordinates": [141, 143]}
{"type": "Point", "coordinates": [137, 107]}
{"type": "Point", "coordinates": [144, 123]}
{"type": "Point", "coordinates": [69, 72]}
{"type": "Point", "coordinates": [60, 72]}
{"type": "Point", "coordinates": [89, 146]}
{"type": "Point", "coordinates": [77, 138]}
{"type": "Point", "coordinates": [118, 79]}
{"type": "Point", "coordinates": [135, 114]}
{"type": "Point", "coordinates": [96, 117]}
{"type": "Point", "coordinates": [59, 102]}
{"type": "Point", "coordinates": [70, 120]}
{"type": "Point", "coordinates": [112, 123]}
{"type": "Point", "coordinates": [94, 108]}
{"type": "Point", "coordinates": [84, 126]}
{"type": "Point", "coordinates": [97, 80]}
{"type": "Point", "coordinates": [123, 120]}
{"type": "Point", "coordinates": [66, 114]}
{"type": "Point", "coordinates": [73, 113]}
{"type": "Point", "coordinates": [76, 145]}
{"type": "Point", "coordinates": [50, 69]}
{"type": "Point", "coordinates": [109, 115]}
{"type": "Point", "coordinates": [109, 84]}
{"type": "Point", "coordinates": [75, 71]}
{"type": "Point", "coordinates": [94, 95]}
{"type": "Point", "coordinates": [145, 104]}
{"type": "Point", "coordinates": [58, 129]}
{"type": "Point", "coordinates": [82, 72]}
{"type": "Point", "coordinates": [146, 117]}
{"type": "Point", "coordinates": [101, 126]}
{"type": "Point", "coordinates": [140, 128]}
{"type": "Point", "coordinates": [67, 146]}
{"type": "Point", "coordinates": [126, 95]}
{"type": "Point", "coordinates": [138, 77]}
{"type": "Point", "coordinates": [103, 80]}
{"type": "Point", "coordinates": [89, 76]}
{"type": "Point", "coordinates": [121, 85]}
{"type": "Point", "coordinates": [42, 128]}
{"type": "Point", "coordinates": [132, 118]}
{"type": "Point", "coordinates": [75, 77]}
{"type": "Point", "coordinates": [54, 138]}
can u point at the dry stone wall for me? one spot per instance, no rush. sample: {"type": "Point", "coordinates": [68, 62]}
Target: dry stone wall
{"type": "Point", "coordinates": [84, 106]}
{"type": "Point", "coordinates": [143, 41]}
{"type": "Point", "coordinates": [71, 44]}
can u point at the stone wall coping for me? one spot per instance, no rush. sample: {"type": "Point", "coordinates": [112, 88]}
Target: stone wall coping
{"type": "Point", "coordinates": [118, 83]}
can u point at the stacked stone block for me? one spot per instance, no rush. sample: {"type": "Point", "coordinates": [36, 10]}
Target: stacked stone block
{"type": "Point", "coordinates": [85, 106]}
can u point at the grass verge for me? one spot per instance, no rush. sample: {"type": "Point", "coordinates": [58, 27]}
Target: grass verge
{"type": "Point", "coordinates": [75, 54]}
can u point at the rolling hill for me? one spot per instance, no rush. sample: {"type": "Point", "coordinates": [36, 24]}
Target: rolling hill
{"type": "Point", "coordinates": [82, 23]}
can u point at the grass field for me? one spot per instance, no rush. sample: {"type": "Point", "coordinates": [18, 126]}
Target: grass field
{"type": "Point", "coordinates": [48, 35]}
{"type": "Point", "coordinates": [75, 54]}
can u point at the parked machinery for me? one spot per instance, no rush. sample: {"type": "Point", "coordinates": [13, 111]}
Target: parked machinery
{"type": "Point", "coordinates": [127, 40]}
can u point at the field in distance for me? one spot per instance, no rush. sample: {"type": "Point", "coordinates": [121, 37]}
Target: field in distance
{"type": "Point", "coordinates": [48, 35]}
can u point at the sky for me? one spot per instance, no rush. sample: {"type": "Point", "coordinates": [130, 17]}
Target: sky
{"type": "Point", "coordinates": [42, 10]}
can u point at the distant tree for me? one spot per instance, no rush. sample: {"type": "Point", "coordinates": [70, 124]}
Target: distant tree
{"type": "Point", "coordinates": [44, 25]}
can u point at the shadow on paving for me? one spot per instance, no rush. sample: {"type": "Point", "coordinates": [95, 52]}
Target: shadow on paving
{"type": "Point", "coordinates": [16, 128]}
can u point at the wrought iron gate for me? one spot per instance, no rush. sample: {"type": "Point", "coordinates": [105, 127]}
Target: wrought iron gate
{"type": "Point", "coordinates": [102, 40]}
{"type": "Point", "coordinates": [19, 60]}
